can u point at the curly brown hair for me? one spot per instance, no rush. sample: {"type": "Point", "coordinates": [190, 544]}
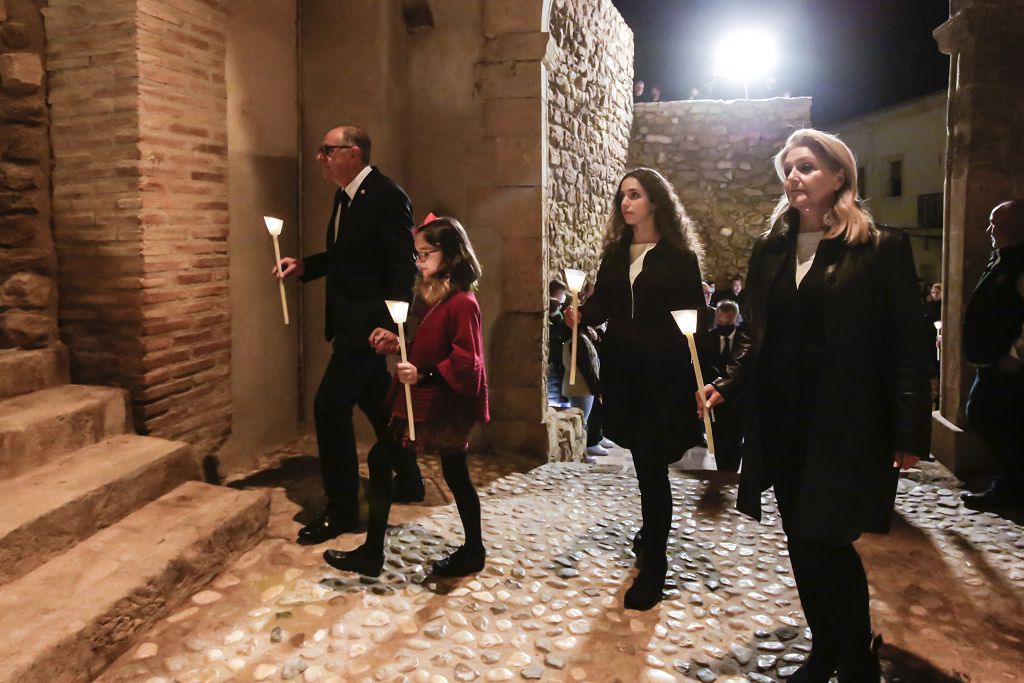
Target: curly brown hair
{"type": "Point", "coordinates": [670, 218]}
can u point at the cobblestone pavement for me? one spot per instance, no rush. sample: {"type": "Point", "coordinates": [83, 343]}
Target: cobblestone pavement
{"type": "Point", "coordinates": [946, 589]}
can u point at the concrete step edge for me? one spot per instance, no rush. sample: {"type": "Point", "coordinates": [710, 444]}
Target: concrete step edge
{"type": "Point", "coordinates": [26, 370]}
{"type": "Point", "coordinates": [63, 502]}
{"type": "Point", "coordinates": [71, 617]}
{"type": "Point", "coordinates": [48, 423]}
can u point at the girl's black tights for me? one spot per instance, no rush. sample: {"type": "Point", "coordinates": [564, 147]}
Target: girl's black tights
{"type": "Point", "coordinates": [456, 474]}
{"type": "Point", "coordinates": [381, 490]}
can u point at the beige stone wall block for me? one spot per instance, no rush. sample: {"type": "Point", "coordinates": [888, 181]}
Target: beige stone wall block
{"type": "Point", "coordinates": [516, 47]}
{"type": "Point", "coordinates": [517, 339]}
{"type": "Point", "coordinates": [521, 16]}
{"type": "Point", "coordinates": [508, 79]}
{"type": "Point", "coordinates": [27, 290]}
{"type": "Point", "coordinates": [24, 143]}
{"type": "Point", "coordinates": [519, 162]}
{"type": "Point", "coordinates": [511, 118]}
{"type": "Point", "coordinates": [17, 230]}
{"type": "Point", "coordinates": [19, 177]}
{"type": "Point", "coordinates": [26, 329]}
{"type": "Point", "coordinates": [519, 403]}
{"type": "Point", "coordinates": [21, 73]}
{"type": "Point", "coordinates": [523, 286]}
{"type": "Point", "coordinates": [515, 212]}
{"type": "Point", "coordinates": [518, 437]}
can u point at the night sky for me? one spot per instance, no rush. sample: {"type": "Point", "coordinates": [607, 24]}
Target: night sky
{"type": "Point", "coordinates": [851, 56]}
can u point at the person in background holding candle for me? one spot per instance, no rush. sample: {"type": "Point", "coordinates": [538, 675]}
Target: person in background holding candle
{"type": "Point", "coordinates": [369, 258]}
{"type": "Point", "coordinates": [837, 383]}
{"type": "Point", "coordinates": [449, 394]}
{"type": "Point", "coordinates": [650, 267]}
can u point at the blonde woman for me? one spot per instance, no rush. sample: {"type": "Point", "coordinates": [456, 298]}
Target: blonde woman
{"type": "Point", "coordinates": [837, 375]}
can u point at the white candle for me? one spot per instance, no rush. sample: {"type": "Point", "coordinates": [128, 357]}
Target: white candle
{"type": "Point", "coordinates": [574, 279]}
{"type": "Point", "coordinates": [399, 311]}
{"type": "Point", "coordinates": [687, 322]}
{"type": "Point", "coordinates": [274, 226]}
{"type": "Point", "coordinates": [938, 331]}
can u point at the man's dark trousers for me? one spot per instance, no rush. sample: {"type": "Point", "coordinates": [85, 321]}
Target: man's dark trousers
{"type": "Point", "coordinates": [352, 378]}
{"type": "Point", "coordinates": [995, 408]}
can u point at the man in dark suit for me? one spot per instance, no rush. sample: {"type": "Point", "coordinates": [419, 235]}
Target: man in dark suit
{"type": "Point", "coordinates": [993, 342]}
{"type": "Point", "coordinates": [735, 292]}
{"type": "Point", "coordinates": [722, 343]}
{"type": "Point", "coordinates": [369, 258]}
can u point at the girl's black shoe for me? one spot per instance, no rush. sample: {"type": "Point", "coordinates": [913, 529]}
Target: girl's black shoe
{"type": "Point", "coordinates": [358, 561]}
{"type": "Point", "coordinates": [462, 562]}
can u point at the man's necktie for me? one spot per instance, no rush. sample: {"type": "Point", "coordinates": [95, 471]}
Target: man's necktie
{"type": "Point", "coordinates": [339, 212]}
{"type": "Point", "coordinates": [725, 349]}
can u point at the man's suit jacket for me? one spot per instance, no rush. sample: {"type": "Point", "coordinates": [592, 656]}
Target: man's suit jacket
{"type": "Point", "coordinates": [372, 260]}
{"type": "Point", "coordinates": [713, 363]}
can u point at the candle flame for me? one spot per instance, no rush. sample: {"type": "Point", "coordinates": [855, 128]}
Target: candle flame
{"type": "Point", "coordinates": [686, 320]}
{"type": "Point", "coordinates": [274, 225]}
{"type": "Point", "coordinates": [574, 279]}
{"type": "Point", "coordinates": [399, 310]}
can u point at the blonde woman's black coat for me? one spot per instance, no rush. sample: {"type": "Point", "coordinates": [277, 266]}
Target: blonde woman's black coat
{"type": "Point", "coordinates": [872, 395]}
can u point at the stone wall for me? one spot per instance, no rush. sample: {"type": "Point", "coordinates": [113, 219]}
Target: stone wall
{"type": "Point", "coordinates": [140, 205]}
{"type": "Point", "coordinates": [718, 154]}
{"type": "Point", "coordinates": [28, 296]}
{"type": "Point", "coordinates": [589, 112]}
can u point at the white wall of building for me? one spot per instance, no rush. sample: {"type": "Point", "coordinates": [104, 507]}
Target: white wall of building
{"type": "Point", "coordinates": [913, 134]}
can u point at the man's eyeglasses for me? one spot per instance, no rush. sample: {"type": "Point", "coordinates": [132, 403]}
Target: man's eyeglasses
{"type": "Point", "coordinates": [425, 254]}
{"type": "Point", "coordinates": [325, 150]}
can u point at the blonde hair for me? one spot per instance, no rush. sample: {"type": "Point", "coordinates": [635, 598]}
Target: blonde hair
{"type": "Point", "coordinates": [847, 217]}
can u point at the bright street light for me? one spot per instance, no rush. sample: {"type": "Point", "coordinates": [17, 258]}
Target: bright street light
{"type": "Point", "coordinates": [745, 56]}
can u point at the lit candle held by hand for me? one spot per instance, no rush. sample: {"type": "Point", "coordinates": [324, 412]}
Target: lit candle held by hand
{"type": "Point", "coordinates": [274, 226]}
{"type": "Point", "coordinates": [574, 280]}
{"type": "Point", "coordinates": [686, 320]}
{"type": "Point", "coordinates": [399, 311]}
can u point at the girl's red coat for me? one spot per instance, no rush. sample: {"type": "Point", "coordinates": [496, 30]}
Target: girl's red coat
{"type": "Point", "coordinates": [449, 338]}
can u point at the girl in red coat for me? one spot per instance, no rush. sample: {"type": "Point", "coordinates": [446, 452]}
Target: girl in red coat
{"type": "Point", "coordinates": [449, 394]}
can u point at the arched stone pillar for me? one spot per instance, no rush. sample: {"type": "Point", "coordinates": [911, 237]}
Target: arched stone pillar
{"type": "Point", "coordinates": [510, 80]}
{"type": "Point", "coordinates": [985, 166]}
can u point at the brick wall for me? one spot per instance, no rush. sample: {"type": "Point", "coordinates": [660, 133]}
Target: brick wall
{"type": "Point", "coordinates": [140, 205]}
{"type": "Point", "coordinates": [28, 296]}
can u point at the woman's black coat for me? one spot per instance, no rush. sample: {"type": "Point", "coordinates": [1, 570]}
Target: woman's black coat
{"type": "Point", "coordinates": [647, 382]}
{"type": "Point", "coordinates": [873, 396]}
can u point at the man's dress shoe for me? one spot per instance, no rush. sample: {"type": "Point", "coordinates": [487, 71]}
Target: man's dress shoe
{"type": "Point", "coordinates": [327, 526]}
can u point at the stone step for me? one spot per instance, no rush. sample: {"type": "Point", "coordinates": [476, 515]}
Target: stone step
{"type": "Point", "coordinates": [51, 508]}
{"type": "Point", "coordinates": [25, 371]}
{"type": "Point", "coordinates": [43, 425]}
{"type": "Point", "coordinates": [67, 620]}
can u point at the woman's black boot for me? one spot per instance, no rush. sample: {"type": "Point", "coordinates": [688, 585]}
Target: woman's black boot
{"type": "Point", "coordinates": [646, 591]}
{"type": "Point", "coordinates": [867, 668]}
{"type": "Point", "coordinates": [638, 547]}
